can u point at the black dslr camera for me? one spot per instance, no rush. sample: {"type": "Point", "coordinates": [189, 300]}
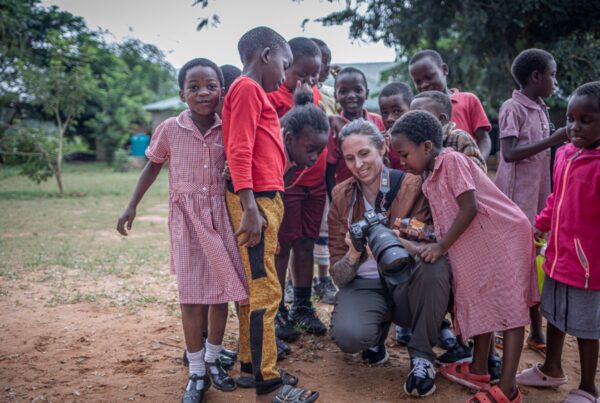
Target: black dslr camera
{"type": "Point", "coordinates": [387, 250]}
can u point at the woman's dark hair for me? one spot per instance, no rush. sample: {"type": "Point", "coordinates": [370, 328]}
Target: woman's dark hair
{"type": "Point", "coordinates": [419, 126]}
{"type": "Point", "coordinates": [527, 62]}
{"type": "Point", "coordinates": [364, 127]}
{"type": "Point", "coordinates": [351, 70]}
{"type": "Point", "coordinates": [199, 62]}
{"type": "Point", "coordinates": [592, 90]}
{"type": "Point", "coordinates": [303, 114]}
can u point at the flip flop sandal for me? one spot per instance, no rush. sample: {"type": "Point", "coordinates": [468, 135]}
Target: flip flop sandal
{"type": "Point", "coordinates": [539, 348]}
{"type": "Point", "coordinates": [497, 395]}
{"type": "Point", "coordinates": [247, 381]}
{"type": "Point", "coordinates": [461, 374]}
{"type": "Point", "coordinates": [535, 377]}
{"type": "Point", "coordinates": [580, 396]}
{"type": "Point", "coordinates": [290, 394]}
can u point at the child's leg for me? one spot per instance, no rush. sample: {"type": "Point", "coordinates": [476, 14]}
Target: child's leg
{"type": "Point", "coordinates": [193, 318]}
{"type": "Point", "coordinates": [513, 345]}
{"type": "Point", "coordinates": [536, 334]}
{"type": "Point", "coordinates": [323, 271]}
{"type": "Point", "coordinates": [303, 262]}
{"type": "Point", "coordinates": [555, 341]}
{"type": "Point", "coordinates": [281, 264]}
{"type": "Point", "coordinates": [588, 357]}
{"type": "Point", "coordinates": [217, 317]}
{"type": "Point", "coordinates": [481, 351]}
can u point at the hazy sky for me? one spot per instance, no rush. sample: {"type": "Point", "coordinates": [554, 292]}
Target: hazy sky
{"type": "Point", "coordinates": [171, 26]}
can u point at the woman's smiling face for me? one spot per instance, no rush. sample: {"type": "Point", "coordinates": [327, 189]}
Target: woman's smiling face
{"type": "Point", "coordinates": [362, 157]}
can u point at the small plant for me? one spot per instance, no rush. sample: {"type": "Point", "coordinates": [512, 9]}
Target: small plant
{"type": "Point", "coordinates": [121, 161]}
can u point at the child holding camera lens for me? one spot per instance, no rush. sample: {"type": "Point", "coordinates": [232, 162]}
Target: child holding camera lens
{"type": "Point", "coordinates": [489, 242]}
{"type": "Point", "coordinates": [571, 291]}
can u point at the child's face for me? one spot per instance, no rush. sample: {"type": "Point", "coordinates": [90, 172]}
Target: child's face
{"type": "Point", "coordinates": [414, 158]}
{"type": "Point", "coordinates": [325, 67]}
{"type": "Point", "coordinates": [428, 76]}
{"type": "Point", "coordinates": [351, 92]}
{"type": "Point", "coordinates": [201, 90]}
{"type": "Point", "coordinates": [429, 105]}
{"type": "Point", "coordinates": [275, 62]}
{"type": "Point", "coordinates": [583, 122]}
{"type": "Point", "coordinates": [305, 147]}
{"type": "Point", "coordinates": [392, 108]}
{"type": "Point", "coordinates": [546, 82]}
{"type": "Point", "coordinates": [362, 158]}
{"type": "Point", "coordinates": [305, 69]}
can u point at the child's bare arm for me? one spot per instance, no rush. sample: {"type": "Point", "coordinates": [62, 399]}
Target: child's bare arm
{"type": "Point", "coordinates": [484, 142]}
{"type": "Point", "coordinates": [513, 152]}
{"type": "Point", "coordinates": [147, 178]}
{"type": "Point", "coordinates": [252, 224]}
{"type": "Point", "coordinates": [467, 210]}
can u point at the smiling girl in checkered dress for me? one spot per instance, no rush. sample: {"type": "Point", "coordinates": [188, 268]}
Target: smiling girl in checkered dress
{"type": "Point", "coordinates": [204, 253]}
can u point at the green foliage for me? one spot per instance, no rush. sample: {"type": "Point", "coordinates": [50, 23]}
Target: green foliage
{"type": "Point", "coordinates": [479, 39]}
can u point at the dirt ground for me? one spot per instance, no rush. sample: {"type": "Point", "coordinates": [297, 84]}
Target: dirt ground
{"type": "Point", "coordinates": [88, 316]}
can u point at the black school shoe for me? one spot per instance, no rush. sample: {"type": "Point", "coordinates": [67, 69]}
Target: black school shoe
{"type": "Point", "coordinates": [458, 354]}
{"type": "Point", "coordinates": [226, 357]}
{"type": "Point", "coordinates": [283, 349]}
{"type": "Point", "coordinates": [305, 317]}
{"type": "Point", "coordinates": [284, 327]}
{"type": "Point", "coordinates": [494, 368]}
{"type": "Point", "coordinates": [375, 356]}
{"type": "Point", "coordinates": [219, 377]}
{"type": "Point", "coordinates": [421, 379]}
{"type": "Point", "coordinates": [193, 395]}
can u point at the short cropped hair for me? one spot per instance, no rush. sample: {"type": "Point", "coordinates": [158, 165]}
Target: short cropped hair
{"type": "Point", "coordinates": [199, 62]}
{"type": "Point", "coordinates": [418, 127]}
{"type": "Point", "coordinates": [527, 62]}
{"type": "Point", "coordinates": [440, 98]}
{"type": "Point", "coordinates": [303, 47]}
{"type": "Point", "coordinates": [397, 88]}
{"type": "Point", "coordinates": [427, 53]}
{"type": "Point", "coordinates": [591, 89]}
{"type": "Point", "coordinates": [230, 73]}
{"type": "Point", "coordinates": [322, 46]}
{"type": "Point", "coordinates": [259, 38]}
{"type": "Point", "coordinates": [351, 70]}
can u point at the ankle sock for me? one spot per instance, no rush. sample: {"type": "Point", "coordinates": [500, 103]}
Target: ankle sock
{"type": "Point", "coordinates": [196, 367]}
{"type": "Point", "coordinates": [212, 352]}
{"type": "Point", "coordinates": [302, 295]}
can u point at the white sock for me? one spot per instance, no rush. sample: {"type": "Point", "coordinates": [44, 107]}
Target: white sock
{"type": "Point", "coordinates": [196, 367]}
{"type": "Point", "coordinates": [212, 352]}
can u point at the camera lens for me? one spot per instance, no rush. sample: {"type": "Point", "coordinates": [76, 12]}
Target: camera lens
{"type": "Point", "coordinates": [389, 253]}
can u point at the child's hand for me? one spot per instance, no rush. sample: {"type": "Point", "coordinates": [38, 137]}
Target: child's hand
{"type": "Point", "coordinates": [410, 246]}
{"type": "Point", "coordinates": [126, 217]}
{"type": "Point", "coordinates": [336, 123]}
{"type": "Point", "coordinates": [227, 172]}
{"type": "Point", "coordinates": [429, 253]}
{"type": "Point", "coordinates": [251, 227]}
{"type": "Point", "coordinates": [560, 136]}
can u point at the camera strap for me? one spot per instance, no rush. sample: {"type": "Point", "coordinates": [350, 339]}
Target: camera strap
{"type": "Point", "coordinates": [391, 180]}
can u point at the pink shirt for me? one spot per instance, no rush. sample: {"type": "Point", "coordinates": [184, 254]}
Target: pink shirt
{"type": "Point", "coordinates": [493, 261]}
{"type": "Point", "coordinates": [467, 112]}
{"type": "Point", "coordinates": [572, 215]}
{"type": "Point", "coordinates": [526, 182]}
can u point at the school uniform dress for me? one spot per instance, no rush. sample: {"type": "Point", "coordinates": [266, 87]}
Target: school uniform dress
{"type": "Point", "coordinates": [304, 198]}
{"type": "Point", "coordinates": [256, 157]}
{"type": "Point", "coordinates": [571, 291]}
{"type": "Point", "coordinates": [204, 253]}
{"type": "Point", "coordinates": [493, 261]}
{"type": "Point", "coordinates": [526, 182]}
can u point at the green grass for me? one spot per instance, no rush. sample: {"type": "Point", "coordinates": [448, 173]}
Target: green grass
{"type": "Point", "coordinates": [70, 244]}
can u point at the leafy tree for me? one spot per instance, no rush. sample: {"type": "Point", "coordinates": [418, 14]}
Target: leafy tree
{"type": "Point", "coordinates": [479, 39]}
{"type": "Point", "coordinates": [61, 90]}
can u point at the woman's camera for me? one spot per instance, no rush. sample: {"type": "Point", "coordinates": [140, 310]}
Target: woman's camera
{"type": "Point", "coordinates": [387, 250]}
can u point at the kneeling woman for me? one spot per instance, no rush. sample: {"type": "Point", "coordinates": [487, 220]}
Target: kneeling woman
{"type": "Point", "coordinates": [367, 303]}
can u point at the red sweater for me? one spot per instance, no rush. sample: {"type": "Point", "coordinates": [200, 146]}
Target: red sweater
{"type": "Point", "coordinates": [283, 101]}
{"type": "Point", "coordinates": [335, 153]}
{"type": "Point", "coordinates": [572, 215]}
{"type": "Point", "coordinates": [252, 138]}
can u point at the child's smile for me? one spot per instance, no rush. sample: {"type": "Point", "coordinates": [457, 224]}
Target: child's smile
{"type": "Point", "coordinates": [583, 122]}
{"type": "Point", "coordinates": [350, 92]}
{"type": "Point", "coordinates": [201, 90]}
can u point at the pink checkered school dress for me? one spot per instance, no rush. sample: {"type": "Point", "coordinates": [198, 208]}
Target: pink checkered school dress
{"type": "Point", "coordinates": [493, 261]}
{"type": "Point", "coordinates": [204, 254]}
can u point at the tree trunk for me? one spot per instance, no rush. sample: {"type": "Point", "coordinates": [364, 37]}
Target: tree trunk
{"type": "Point", "coordinates": [59, 155]}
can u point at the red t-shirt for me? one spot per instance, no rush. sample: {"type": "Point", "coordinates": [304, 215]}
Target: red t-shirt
{"type": "Point", "coordinates": [252, 138]}
{"type": "Point", "coordinates": [283, 101]}
{"type": "Point", "coordinates": [335, 153]}
{"type": "Point", "coordinates": [467, 112]}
